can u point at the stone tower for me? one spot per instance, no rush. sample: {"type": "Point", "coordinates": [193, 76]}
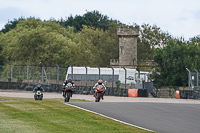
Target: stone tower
{"type": "Point", "coordinates": [127, 47]}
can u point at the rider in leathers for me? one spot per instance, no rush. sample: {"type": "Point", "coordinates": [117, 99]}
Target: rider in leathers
{"type": "Point", "coordinates": [100, 82]}
{"type": "Point", "coordinates": [38, 87]}
{"type": "Point", "coordinates": [69, 80]}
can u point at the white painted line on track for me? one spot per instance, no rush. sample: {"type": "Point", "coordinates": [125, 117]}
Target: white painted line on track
{"type": "Point", "coordinates": [108, 117]}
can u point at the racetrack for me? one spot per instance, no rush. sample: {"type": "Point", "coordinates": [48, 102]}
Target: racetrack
{"type": "Point", "coordinates": [158, 114]}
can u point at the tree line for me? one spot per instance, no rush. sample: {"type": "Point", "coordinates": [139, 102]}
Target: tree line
{"type": "Point", "coordinates": [91, 40]}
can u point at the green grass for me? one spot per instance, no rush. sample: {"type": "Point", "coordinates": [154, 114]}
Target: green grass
{"type": "Point", "coordinates": [24, 115]}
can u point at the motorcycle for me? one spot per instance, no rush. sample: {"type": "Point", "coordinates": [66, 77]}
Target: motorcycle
{"type": "Point", "coordinates": [69, 89]}
{"type": "Point", "coordinates": [99, 92]}
{"type": "Point", "coordinates": [38, 95]}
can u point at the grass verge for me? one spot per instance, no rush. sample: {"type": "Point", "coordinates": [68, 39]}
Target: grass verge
{"type": "Point", "coordinates": [24, 115]}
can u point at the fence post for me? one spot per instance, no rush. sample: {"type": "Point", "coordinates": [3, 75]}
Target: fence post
{"type": "Point", "coordinates": [125, 77]}
{"type": "Point", "coordinates": [27, 72]}
{"type": "Point", "coordinates": [197, 79]}
{"type": "Point", "coordinates": [112, 76]}
{"type": "Point", "coordinates": [42, 72]}
{"type": "Point", "coordinates": [189, 80]}
{"type": "Point", "coordinates": [57, 73]}
{"type": "Point", "coordinates": [11, 71]}
{"type": "Point", "coordinates": [138, 69]}
{"type": "Point", "coordinates": [72, 75]}
{"type": "Point", "coordinates": [86, 76]}
{"type": "Point", "coordinates": [99, 71]}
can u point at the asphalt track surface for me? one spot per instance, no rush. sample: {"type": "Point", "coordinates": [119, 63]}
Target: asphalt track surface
{"type": "Point", "coordinates": [158, 117]}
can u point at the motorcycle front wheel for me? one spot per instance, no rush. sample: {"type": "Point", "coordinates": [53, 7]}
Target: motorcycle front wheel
{"type": "Point", "coordinates": [67, 97]}
{"type": "Point", "coordinates": [41, 97]}
{"type": "Point", "coordinates": [98, 97]}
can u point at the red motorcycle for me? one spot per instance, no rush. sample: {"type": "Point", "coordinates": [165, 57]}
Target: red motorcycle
{"type": "Point", "coordinates": [99, 92]}
{"type": "Point", "coordinates": [69, 89]}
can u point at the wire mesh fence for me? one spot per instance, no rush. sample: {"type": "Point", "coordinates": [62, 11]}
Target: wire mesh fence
{"type": "Point", "coordinates": [32, 74]}
{"type": "Point", "coordinates": [194, 80]}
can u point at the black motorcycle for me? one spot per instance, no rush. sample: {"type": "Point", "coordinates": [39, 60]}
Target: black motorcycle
{"type": "Point", "coordinates": [69, 89]}
{"type": "Point", "coordinates": [38, 95]}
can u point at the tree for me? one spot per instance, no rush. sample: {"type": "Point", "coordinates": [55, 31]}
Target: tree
{"type": "Point", "coordinates": [93, 19]}
{"type": "Point", "coordinates": [108, 46]}
{"type": "Point", "coordinates": [2, 57]}
{"type": "Point", "coordinates": [95, 47]}
{"type": "Point", "coordinates": [172, 62]}
{"type": "Point", "coordinates": [11, 25]}
{"type": "Point", "coordinates": [34, 41]}
{"type": "Point", "coordinates": [82, 51]}
{"type": "Point", "coordinates": [194, 40]}
{"type": "Point", "coordinates": [150, 37]}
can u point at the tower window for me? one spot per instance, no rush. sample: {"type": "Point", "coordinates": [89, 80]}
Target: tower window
{"type": "Point", "coordinates": [121, 49]}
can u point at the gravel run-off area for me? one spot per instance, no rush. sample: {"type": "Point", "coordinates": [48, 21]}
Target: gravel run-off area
{"type": "Point", "coordinates": [29, 94]}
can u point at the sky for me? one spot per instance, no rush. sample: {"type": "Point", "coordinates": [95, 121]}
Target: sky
{"type": "Point", "coordinates": [180, 18]}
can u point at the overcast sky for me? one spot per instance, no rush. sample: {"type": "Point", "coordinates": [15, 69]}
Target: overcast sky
{"type": "Point", "coordinates": [181, 18]}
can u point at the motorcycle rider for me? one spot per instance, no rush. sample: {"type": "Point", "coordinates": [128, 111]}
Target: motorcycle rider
{"type": "Point", "coordinates": [100, 82]}
{"type": "Point", "coordinates": [38, 87]}
{"type": "Point", "coordinates": [69, 80]}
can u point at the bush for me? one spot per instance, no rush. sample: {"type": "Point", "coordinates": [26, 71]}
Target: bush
{"type": "Point", "coordinates": [20, 78]}
{"type": "Point", "coordinates": [118, 82]}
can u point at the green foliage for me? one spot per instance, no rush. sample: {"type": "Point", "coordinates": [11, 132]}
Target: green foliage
{"type": "Point", "coordinates": [93, 18]}
{"type": "Point", "coordinates": [20, 78]}
{"type": "Point", "coordinates": [194, 40]}
{"type": "Point", "coordinates": [94, 47]}
{"type": "Point", "coordinates": [172, 62]}
{"type": "Point", "coordinates": [118, 82]}
{"type": "Point", "coordinates": [2, 57]}
{"type": "Point", "coordinates": [9, 79]}
{"type": "Point", "coordinates": [10, 25]}
{"type": "Point", "coordinates": [150, 37]}
{"type": "Point", "coordinates": [34, 41]}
